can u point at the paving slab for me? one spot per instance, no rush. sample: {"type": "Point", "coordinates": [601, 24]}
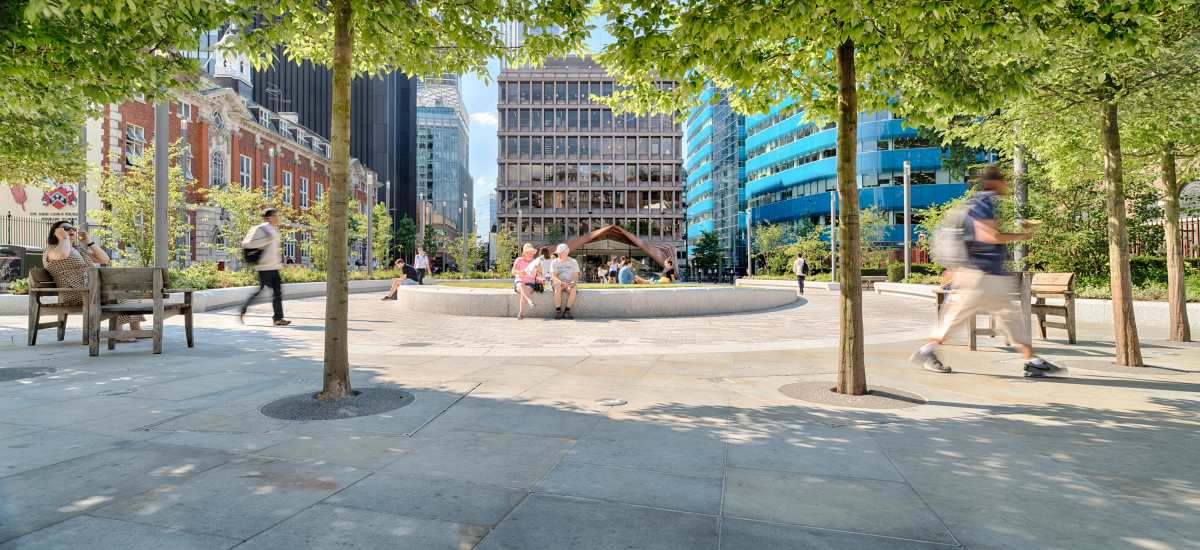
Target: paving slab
{"type": "Point", "coordinates": [535, 419]}
{"type": "Point", "coordinates": [842, 503]}
{"type": "Point", "coordinates": [817, 450]}
{"type": "Point", "coordinates": [225, 441]}
{"type": "Point", "coordinates": [44, 496]}
{"type": "Point", "coordinates": [365, 451]}
{"type": "Point", "coordinates": [329, 527]}
{"type": "Point", "coordinates": [238, 499]}
{"type": "Point", "coordinates": [545, 521]}
{"type": "Point", "coordinates": [92, 532]}
{"type": "Point", "coordinates": [737, 534]}
{"type": "Point", "coordinates": [431, 498]}
{"type": "Point", "coordinates": [701, 495]}
{"type": "Point", "coordinates": [508, 460]}
{"type": "Point", "coordinates": [33, 450]}
{"type": "Point", "coordinates": [653, 447]}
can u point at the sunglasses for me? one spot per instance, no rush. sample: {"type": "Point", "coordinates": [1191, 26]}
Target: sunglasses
{"type": "Point", "coordinates": [69, 229]}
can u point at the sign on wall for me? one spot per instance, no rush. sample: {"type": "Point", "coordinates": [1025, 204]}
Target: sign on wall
{"type": "Point", "coordinates": [53, 201]}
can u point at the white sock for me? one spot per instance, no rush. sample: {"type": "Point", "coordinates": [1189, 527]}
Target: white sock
{"type": "Point", "coordinates": [1035, 361]}
{"type": "Point", "coordinates": [929, 348]}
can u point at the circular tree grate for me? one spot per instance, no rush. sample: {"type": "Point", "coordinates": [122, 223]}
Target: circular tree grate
{"type": "Point", "coordinates": [21, 373]}
{"type": "Point", "coordinates": [364, 402]}
{"type": "Point", "coordinates": [877, 397]}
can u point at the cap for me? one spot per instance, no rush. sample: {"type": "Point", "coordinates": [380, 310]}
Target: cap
{"type": "Point", "coordinates": [562, 248]}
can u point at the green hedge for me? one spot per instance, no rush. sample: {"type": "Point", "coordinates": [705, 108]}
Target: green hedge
{"type": "Point", "coordinates": [895, 271]}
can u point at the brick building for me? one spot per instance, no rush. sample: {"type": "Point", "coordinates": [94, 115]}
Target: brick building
{"type": "Point", "coordinates": [232, 141]}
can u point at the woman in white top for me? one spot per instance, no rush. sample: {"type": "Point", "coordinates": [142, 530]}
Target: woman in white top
{"type": "Point", "coordinates": [421, 263]}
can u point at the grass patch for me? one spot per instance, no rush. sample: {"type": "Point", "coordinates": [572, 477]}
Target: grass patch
{"type": "Point", "coordinates": [582, 286]}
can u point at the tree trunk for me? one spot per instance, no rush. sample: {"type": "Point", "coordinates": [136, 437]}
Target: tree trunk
{"type": "Point", "coordinates": [1176, 297]}
{"type": "Point", "coordinates": [852, 372]}
{"type": "Point", "coordinates": [1020, 200]}
{"type": "Point", "coordinates": [337, 360]}
{"type": "Point", "coordinates": [1128, 352]}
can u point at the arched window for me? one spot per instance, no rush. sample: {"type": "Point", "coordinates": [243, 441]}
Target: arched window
{"type": "Point", "coordinates": [217, 171]}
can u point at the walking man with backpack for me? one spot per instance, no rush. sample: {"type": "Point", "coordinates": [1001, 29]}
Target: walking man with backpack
{"type": "Point", "coordinates": [800, 268]}
{"type": "Point", "coordinates": [971, 245]}
{"type": "Point", "coordinates": [261, 248]}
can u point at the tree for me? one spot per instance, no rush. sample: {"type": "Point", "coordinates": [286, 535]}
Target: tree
{"type": "Point", "coordinates": [243, 208]}
{"type": "Point", "coordinates": [405, 239]}
{"type": "Point", "coordinates": [432, 240]}
{"type": "Point", "coordinates": [64, 58]}
{"type": "Point", "coordinates": [464, 252]}
{"type": "Point", "coordinates": [506, 249]}
{"type": "Point", "coordinates": [834, 58]}
{"type": "Point", "coordinates": [706, 253]}
{"type": "Point", "coordinates": [381, 249]}
{"type": "Point", "coordinates": [315, 221]}
{"type": "Point", "coordinates": [766, 239]}
{"type": "Point", "coordinates": [128, 220]}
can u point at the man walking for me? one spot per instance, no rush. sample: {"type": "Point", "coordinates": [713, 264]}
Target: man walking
{"type": "Point", "coordinates": [421, 262]}
{"type": "Point", "coordinates": [800, 268]}
{"type": "Point", "coordinates": [564, 275]}
{"type": "Point", "coordinates": [981, 284]}
{"type": "Point", "coordinates": [263, 241]}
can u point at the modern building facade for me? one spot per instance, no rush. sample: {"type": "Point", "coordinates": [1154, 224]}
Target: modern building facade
{"type": "Point", "coordinates": [716, 175]}
{"type": "Point", "coordinates": [383, 120]}
{"type": "Point", "coordinates": [569, 166]}
{"type": "Point", "coordinates": [791, 168]}
{"type": "Point", "coordinates": [444, 182]}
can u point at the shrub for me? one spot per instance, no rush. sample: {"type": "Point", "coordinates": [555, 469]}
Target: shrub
{"type": "Point", "coordinates": [19, 286]}
{"type": "Point", "coordinates": [895, 272]}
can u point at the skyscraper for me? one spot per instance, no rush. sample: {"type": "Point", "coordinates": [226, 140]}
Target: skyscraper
{"type": "Point", "coordinates": [716, 175]}
{"type": "Point", "coordinates": [383, 120]}
{"type": "Point", "coordinates": [569, 166]}
{"type": "Point", "coordinates": [443, 168]}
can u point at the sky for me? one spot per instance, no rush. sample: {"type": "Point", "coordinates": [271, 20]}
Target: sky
{"type": "Point", "coordinates": [480, 97]}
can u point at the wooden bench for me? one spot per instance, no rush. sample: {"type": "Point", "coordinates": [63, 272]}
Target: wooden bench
{"type": "Point", "coordinates": [41, 285]}
{"type": "Point", "coordinates": [146, 284]}
{"type": "Point", "coordinates": [973, 331]}
{"type": "Point", "coordinates": [1057, 286]}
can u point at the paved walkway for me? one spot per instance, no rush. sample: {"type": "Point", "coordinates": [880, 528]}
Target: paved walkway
{"type": "Point", "coordinates": [506, 447]}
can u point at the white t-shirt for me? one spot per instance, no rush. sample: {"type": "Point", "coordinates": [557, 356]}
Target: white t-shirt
{"type": "Point", "coordinates": [421, 262]}
{"type": "Point", "coordinates": [547, 266]}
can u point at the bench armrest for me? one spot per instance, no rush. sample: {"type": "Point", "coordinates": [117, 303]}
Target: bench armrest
{"type": "Point", "coordinates": [179, 290]}
{"type": "Point", "coordinates": [54, 290]}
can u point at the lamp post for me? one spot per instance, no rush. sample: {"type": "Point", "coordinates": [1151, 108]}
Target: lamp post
{"type": "Point", "coordinates": [749, 242]}
{"type": "Point", "coordinates": [907, 219]}
{"type": "Point", "coordinates": [162, 144]}
{"type": "Point", "coordinates": [462, 234]}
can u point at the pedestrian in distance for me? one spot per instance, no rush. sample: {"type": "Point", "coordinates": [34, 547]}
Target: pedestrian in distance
{"type": "Point", "coordinates": [421, 263]}
{"type": "Point", "coordinates": [262, 250]}
{"type": "Point", "coordinates": [524, 281]}
{"type": "Point", "coordinates": [614, 266]}
{"type": "Point", "coordinates": [564, 276]}
{"type": "Point", "coordinates": [970, 243]}
{"type": "Point", "coordinates": [800, 268]}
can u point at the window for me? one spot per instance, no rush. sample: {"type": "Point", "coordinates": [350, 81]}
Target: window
{"type": "Point", "coordinates": [135, 143]}
{"type": "Point", "coordinates": [536, 93]}
{"type": "Point", "coordinates": [287, 188]}
{"type": "Point", "coordinates": [217, 171]}
{"type": "Point", "coordinates": [184, 110]}
{"type": "Point", "coordinates": [246, 173]}
{"type": "Point", "coordinates": [320, 191]}
{"type": "Point", "coordinates": [266, 179]}
{"type": "Point", "coordinates": [524, 92]}
{"type": "Point", "coordinates": [572, 92]}
{"type": "Point", "coordinates": [560, 92]}
{"type": "Point", "coordinates": [303, 192]}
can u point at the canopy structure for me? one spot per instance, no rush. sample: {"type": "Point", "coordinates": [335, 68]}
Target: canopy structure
{"type": "Point", "coordinates": [613, 239]}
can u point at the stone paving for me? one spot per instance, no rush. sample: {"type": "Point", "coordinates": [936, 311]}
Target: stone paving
{"type": "Point", "coordinates": [506, 447]}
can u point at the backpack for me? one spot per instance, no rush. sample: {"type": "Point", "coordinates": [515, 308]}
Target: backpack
{"type": "Point", "coordinates": [252, 255]}
{"type": "Point", "coordinates": [948, 246]}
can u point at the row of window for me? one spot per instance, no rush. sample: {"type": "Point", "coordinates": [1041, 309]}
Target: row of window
{"type": "Point", "coordinates": [566, 228]}
{"type": "Point", "coordinates": [805, 131]}
{"type": "Point", "coordinates": [583, 147]}
{"type": "Point", "coordinates": [700, 218]}
{"type": "Point", "coordinates": [583, 120]}
{"type": "Point", "coordinates": [924, 177]}
{"type": "Point", "coordinates": [588, 200]}
{"type": "Point", "coordinates": [794, 162]}
{"type": "Point", "coordinates": [246, 176]}
{"type": "Point", "coordinates": [774, 119]}
{"type": "Point", "coordinates": [569, 174]}
{"type": "Point", "coordinates": [560, 93]}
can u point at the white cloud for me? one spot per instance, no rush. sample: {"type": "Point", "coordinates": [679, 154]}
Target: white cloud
{"type": "Point", "coordinates": [484, 185]}
{"type": "Point", "coordinates": [486, 119]}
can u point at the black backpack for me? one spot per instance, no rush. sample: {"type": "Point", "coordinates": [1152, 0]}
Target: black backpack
{"type": "Point", "coordinates": [252, 255]}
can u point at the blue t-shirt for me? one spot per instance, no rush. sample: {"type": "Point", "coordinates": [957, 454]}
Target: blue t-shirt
{"type": "Point", "coordinates": [987, 257]}
{"type": "Point", "coordinates": [625, 276]}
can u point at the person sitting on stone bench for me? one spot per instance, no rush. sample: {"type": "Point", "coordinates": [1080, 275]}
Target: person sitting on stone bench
{"type": "Point", "coordinates": [408, 276]}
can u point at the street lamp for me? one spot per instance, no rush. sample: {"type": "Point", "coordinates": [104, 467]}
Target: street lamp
{"type": "Point", "coordinates": [907, 219]}
{"type": "Point", "coordinates": [462, 234]}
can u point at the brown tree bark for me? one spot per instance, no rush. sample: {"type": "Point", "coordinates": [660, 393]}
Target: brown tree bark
{"type": "Point", "coordinates": [1125, 338]}
{"type": "Point", "coordinates": [852, 372]}
{"type": "Point", "coordinates": [337, 358]}
{"type": "Point", "coordinates": [1176, 291]}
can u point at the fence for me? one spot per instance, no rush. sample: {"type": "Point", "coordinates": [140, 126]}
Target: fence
{"type": "Point", "coordinates": [1189, 232]}
{"type": "Point", "coordinates": [23, 231]}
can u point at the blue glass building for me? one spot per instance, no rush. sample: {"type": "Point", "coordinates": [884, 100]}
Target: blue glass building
{"type": "Point", "coordinates": [791, 168]}
{"type": "Point", "coordinates": [716, 176]}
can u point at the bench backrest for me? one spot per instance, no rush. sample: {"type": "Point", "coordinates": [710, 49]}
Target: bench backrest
{"type": "Point", "coordinates": [40, 278]}
{"type": "Point", "coordinates": [115, 283]}
{"type": "Point", "coordinates": [1052, 283]}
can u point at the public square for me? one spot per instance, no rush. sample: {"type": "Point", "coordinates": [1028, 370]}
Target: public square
{"type": "Point", "coordinates": [506, 442]}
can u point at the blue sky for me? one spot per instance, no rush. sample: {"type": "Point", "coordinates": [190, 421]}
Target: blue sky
{"type": "Point", "coordinates": [480, 100]}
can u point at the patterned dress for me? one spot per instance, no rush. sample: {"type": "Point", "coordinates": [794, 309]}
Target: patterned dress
{"type": "Point", "coordinates": [71, 272]}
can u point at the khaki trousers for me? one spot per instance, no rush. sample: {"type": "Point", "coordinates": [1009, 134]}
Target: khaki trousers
{"type": "Point", "coordinates": [979, 292]}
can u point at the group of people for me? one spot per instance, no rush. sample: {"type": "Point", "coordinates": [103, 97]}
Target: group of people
{"type": "Point", "coordinates": [535, 269]}
{"type": "Point", "coordinates": [622, 271]}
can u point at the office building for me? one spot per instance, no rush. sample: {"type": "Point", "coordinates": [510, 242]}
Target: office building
{"type": "Point", "coordinates": [572, 170]}
{"type": "Point", "coordinates": [791, 168]}
{"type": "Point", "coordinates": [716, 175]}
{"type": "Point", "coordinates": [444, 182]}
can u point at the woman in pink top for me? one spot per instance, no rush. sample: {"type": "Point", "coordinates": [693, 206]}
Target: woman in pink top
{"type": "Point", "coordinates": [524, 280]}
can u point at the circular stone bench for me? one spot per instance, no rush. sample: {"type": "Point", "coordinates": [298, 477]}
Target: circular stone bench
{"type": "Point", "coordinates": [616, 303]}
